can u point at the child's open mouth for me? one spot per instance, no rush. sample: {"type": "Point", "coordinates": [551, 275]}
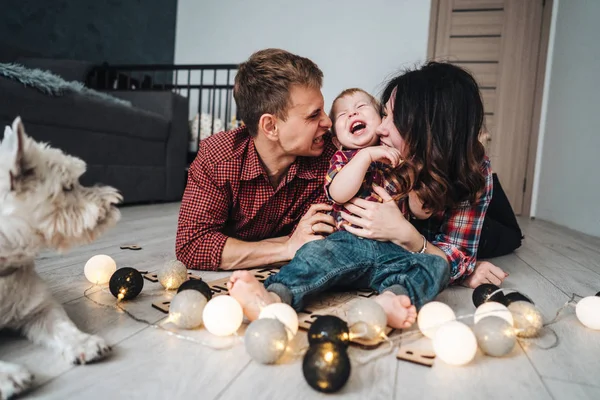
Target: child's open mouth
{"type": "Point", "coordinates": [357, 127]}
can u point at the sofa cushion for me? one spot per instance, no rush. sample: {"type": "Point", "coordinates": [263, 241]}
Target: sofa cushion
{"type": "Point", "coordinates": [99, 148]}
{"type": "Point", "coordinates": [79, 111]}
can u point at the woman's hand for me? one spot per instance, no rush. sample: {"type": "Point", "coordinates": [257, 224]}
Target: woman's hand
{"type": "Point", "coordinates": [381, 221]}
{"type": "Point", "coordinates": [485, 272]}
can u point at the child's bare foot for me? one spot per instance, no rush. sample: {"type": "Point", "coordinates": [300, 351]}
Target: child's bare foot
{"type": "Point", "coordinates": [250, 293]}
{"type": "Point", "coordinates": [400, 313]}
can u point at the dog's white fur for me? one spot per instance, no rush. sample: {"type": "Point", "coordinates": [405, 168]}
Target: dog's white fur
{"type": "Point", "coordinates": [43, 206]}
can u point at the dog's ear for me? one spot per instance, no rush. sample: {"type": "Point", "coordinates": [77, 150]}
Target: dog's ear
{"type": "Point", "coordinates": [12, 145]}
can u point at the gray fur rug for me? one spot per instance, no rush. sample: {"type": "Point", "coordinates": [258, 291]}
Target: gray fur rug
{"type": "Point", "coordinates": [52, 84]}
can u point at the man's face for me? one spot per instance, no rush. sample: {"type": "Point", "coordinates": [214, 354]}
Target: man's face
{"type": "Point", "coordinates": [301, 134]}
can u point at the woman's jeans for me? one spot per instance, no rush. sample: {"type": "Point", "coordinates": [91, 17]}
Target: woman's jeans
{"type": "Point", "coordinates": [346, 262]}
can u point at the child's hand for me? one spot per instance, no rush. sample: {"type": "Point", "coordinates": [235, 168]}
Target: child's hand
{"type": "Point", "coordinates": [384, 154]}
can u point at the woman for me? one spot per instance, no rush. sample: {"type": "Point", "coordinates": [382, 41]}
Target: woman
{"type": "Point", "coordinates": [433, 116]}
{"type": "Point", "coordinates": [447, 161]}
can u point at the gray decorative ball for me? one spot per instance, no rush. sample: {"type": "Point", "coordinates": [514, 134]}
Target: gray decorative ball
{"type": "Point", "coordinates": [366, 319]}
{"type": "Point", "coordinates": [172, 274]}
{"type": "Point", "coordinates": [186, 309]}
{"type": "Point", "coordinates": [495, 336]}
{"type": "Point", "coordinates": [266, 340]}
{"type": "Point", "coordinates": [528, 319]}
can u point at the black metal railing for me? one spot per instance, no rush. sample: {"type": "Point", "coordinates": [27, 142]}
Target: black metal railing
{"type": "Point", "coordinates": [209, 88]}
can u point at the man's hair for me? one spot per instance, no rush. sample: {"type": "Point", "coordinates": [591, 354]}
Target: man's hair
{"type": "Point", "coordinates": [350, 92]}
{"type": "Point", "coordinates": [263, 84]}
{"type": "Point", "coordinates": [438, 111]}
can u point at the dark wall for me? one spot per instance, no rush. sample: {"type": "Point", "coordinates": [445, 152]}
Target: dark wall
{"type": "Point", "coordinates": [115, 31]}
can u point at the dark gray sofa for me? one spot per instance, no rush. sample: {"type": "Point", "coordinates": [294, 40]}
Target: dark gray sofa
{"type": "Point", "coordinates": [141, 150]}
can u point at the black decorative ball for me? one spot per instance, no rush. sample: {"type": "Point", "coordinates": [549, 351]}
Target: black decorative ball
{"type": "Point", "coordinates": [598, 294]}
{"type": "Point", "coordinates": [126, 283]}
{"type": "Point", "coordinates": [326, 367]}
{"type": "Point", "coordinates": [516, 296]}
{"type": "Point", "coordinates": [483, 294]}
{"type": "Point", "coordinates": [329, 328]}
{"type": "Point", "coordinates": [196, 284]}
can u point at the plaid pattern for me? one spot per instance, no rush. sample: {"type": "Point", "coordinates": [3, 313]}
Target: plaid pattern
{"type": "Point", "coordinates": [376, 174]}
{"type": "Point", "coordinates": [456, 232]}
{"type": "Point", "coordinates": [228, 194]}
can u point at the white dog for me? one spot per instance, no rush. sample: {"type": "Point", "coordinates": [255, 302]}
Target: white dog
{"type": "Point", "coordinates": [42, 205]}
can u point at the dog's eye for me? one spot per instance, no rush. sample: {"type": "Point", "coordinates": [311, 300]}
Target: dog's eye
{"type": "Point", "coordinates": [68, 188]}
{"type": "Point", "coordinates": [27, 172]}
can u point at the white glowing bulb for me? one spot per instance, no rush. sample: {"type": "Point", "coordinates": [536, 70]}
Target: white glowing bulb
{"type": "Point", "coordinates": [493, 309]}
{"type": "Point", "coordinates": [223, 315]}
{"type": "Point", "coordinates": [588, 312]}
{"type": "Point", "coordinates": [455, 343]}
{"type": "Point", "coordinates": [432, 316]}
{"type": "Point", "coordinates": [99, 269]}
{"type": "Point", "coordinates": [284, 314]}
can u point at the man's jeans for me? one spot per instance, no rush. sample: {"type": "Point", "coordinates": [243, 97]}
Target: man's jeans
{"type": "Point", "coordinates": [346, 262]}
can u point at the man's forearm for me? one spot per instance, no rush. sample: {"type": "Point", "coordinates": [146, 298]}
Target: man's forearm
{"type": "Point", "coordinates": [238, 254]}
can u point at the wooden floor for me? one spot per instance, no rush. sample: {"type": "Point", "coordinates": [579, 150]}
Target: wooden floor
{"type": "Point", "coordinates": [148, 363]}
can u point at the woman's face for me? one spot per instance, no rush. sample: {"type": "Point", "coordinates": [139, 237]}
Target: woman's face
{"type": "Point", "coordinates": [387, 131]}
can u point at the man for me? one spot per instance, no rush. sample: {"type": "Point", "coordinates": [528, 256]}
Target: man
{"type": "Point", "coordinates": [255, 194]}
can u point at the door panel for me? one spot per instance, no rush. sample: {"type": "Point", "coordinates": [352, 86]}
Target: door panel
{"type": "Point", "coordinates": [498, 41]}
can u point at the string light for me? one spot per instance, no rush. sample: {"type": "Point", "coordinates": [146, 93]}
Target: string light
{"type": "Point", "coordinates": [487, 292]}
{"type": "Point", "coordinates": [126, 283]}
{"type": "Point", "coordinates": [515, 296]}
{"type": "Point", "coordinates": [198, 285]}
{"type": "Point", "coordinates": [588, 311]}
{"type": "Point", "coordinates": [528, 320]}
{"type": "Point", "coordinates": [219, 345]}
{"type": "Point", "coordinates": [99, 269]}
{"type": "Point", "coordinates": [366, 319]}
{"type": "Point", "coordinates": [495, 336]}
{"type": "Point", "coordinates": [266, 340]}
{"type": "Point", "coordinates": [172, 274]}
{"type": "Point", "coordinates": [284, 314]}
{"type": "Point", "coordinates": [326, 366]}
{"type": "Point", "coordinates": [432, 316]}
{"type": "Point", "coordinates": [222, 315]}
{"type": "Point", "coordinates": [329, 328]}
{"type": "Point", "coordinates": [492, 308]}
{"type": "Point", "coordinates": [186, 309]}
{"type": "Point", "coordinates": [455, 343]}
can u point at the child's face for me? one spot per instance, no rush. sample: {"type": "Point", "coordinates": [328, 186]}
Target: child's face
{"type": "Point", "coordinates": [355, 121]}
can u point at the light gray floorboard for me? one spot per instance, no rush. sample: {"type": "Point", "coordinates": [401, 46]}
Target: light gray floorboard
{"type": "Point", "coordinates": [146, 362]}
{"type": "Point", "coordinates": [562, 390]}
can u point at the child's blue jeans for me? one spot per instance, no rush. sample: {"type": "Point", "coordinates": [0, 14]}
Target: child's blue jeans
{"type": "Point", "coordinates": [346, 262]}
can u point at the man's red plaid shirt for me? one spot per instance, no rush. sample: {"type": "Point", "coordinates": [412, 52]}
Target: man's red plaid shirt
{"type": "Point", "coordinates": [228, 194]}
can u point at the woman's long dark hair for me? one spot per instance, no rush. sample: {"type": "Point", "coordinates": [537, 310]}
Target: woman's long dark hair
{"type": "Point", "coordinates": [439, 113]}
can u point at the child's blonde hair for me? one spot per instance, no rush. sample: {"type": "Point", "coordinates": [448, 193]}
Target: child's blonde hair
{"type": "Point", "coordinates": [350, 92]}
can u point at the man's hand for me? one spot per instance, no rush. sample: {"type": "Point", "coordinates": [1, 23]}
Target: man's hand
{"type": "Point", "coordinates": [384, 154]}
{"type": "Point", "coordinates": [311, 227]}
{"type": "Point", "coordinates": [485, 272]}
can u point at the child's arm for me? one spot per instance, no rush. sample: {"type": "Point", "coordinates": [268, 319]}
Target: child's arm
{"type": "Point", "coordinates": [416, 206]}
{"type": "Point", "coordinates": [346, 183]}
